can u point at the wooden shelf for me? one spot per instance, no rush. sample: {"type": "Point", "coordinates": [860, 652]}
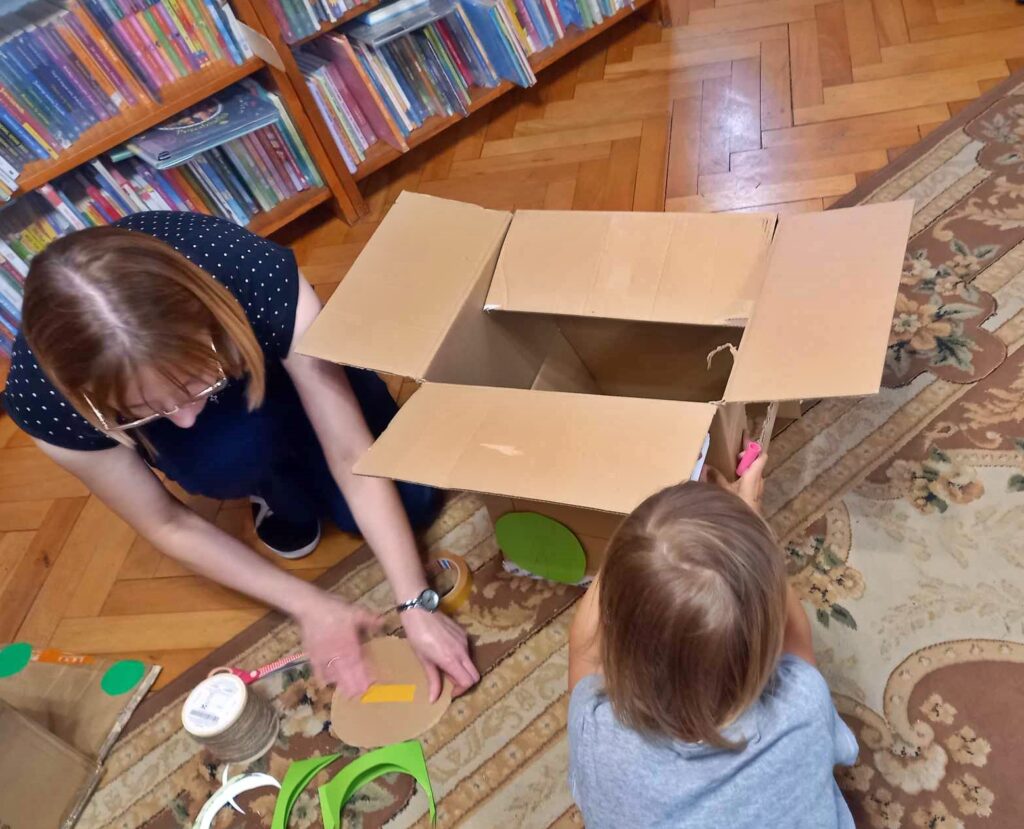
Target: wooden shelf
{"type": "Point", "coordinates": [109, 134]}
{"type": "Point", "coordinates": [331, 25]}
{"type": "Point", "coordinates": [266, 223]}
{"type": "Point", "coordinates": [381, 153]}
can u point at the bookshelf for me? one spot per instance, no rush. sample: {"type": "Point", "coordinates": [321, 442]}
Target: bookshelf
{"type": "Point", "coordinates": [185, 93]}
{"type": "Point", "coordinates": [380, 154]}
{"type": "Point", "coordinates": [103, 137]}
{"type": "Point", "coordinates": [287, 211]}
{"type": "Point", "coordinates": [351, 14]}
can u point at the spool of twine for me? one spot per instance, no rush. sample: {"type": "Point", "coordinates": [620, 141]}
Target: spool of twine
{"type": "Point", "coordinates": [232, 722]}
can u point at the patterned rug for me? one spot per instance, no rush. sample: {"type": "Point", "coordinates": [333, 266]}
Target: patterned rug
{"type": "Point", "coordinates": [904, 520]}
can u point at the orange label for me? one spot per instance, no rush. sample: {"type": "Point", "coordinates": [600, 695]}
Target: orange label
{"type": "Point", "coordinates": [57, 657]}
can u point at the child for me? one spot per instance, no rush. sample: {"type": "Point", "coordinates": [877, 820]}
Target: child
{"type": "Point", "coordinates": [695, 702]}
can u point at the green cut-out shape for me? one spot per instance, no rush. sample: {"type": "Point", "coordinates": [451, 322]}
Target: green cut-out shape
{"type": "Point", "coordinates": [122, 676]}
{"type": "Point", "coordinates": [14, 658]}
{"type": "Point", "coordinates": [404, 758]}
{"type": "Point", "coordinates": [542, 546]}
{"type": "Point", "coordinates": [298, 776]}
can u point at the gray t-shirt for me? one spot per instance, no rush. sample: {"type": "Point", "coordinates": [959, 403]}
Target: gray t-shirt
{"type": "Point", "coordinates": [783, 779]}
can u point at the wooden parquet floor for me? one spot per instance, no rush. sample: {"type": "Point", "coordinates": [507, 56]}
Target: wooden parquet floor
{"type": "Point", "coordinates": [769, 104]}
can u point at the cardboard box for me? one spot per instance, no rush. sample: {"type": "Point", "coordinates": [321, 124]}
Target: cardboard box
{"type": "Point", "coordinates": [564, 355]}
{"type": "Point", "coordinates": [59, 717]}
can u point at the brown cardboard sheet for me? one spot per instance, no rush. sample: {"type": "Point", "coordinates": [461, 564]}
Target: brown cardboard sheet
{"type": "Point", "coordinates": [41, 776]}
{"type": "Point", "coordinates": [397, 302]}
{"type": "Point", "coordinates": [821, 323]}
{"type": "Point", "coordinates": [401, 716]}
{"type": "Point", "coordinates": [48, 767]}
{"type": "Point", "coordinates": [606, 453]}
{"type": "Point", "coordinates": [663, 267]}
{"type": "Point", "coordinates": [650, 359]}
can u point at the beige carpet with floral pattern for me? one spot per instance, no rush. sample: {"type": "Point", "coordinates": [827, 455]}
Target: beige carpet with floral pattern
{"type": "Point", "coordinates": [904, 520]}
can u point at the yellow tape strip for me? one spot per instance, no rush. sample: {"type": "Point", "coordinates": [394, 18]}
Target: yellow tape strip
{"type": "Point", "coordinates": [457, 596]}
{"type": "Point", "coordinates": [389, 693]}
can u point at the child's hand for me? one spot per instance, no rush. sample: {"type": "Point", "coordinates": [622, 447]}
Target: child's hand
{"type": "Point", "coordinates": [750, 486]}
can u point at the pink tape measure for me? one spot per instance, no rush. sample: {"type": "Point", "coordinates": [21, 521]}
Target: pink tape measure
{"type": "Point", "coordinates": [249, 677]}
{"type": "Point", "coordinates": [747, 457]}
{"type": "Point", "coordinates": [756, 448]}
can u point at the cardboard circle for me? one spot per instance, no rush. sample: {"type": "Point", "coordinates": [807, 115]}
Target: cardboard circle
{"type": "Point", "coordinates": [14, 658]}
{"type": "Point", "coordinates": [373, 724]}
{"type": "Point", "coordinates": [122, 676]}
{"type": "Point", "coordinates": [542, 546]}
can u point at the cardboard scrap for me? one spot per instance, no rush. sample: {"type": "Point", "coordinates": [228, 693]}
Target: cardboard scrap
{"type": "Point", "coordinates": [41, 776]}
{"type": "Point", "coordinates": [61, 713]}
{"type": "Point", "coordinates": [378, 722]}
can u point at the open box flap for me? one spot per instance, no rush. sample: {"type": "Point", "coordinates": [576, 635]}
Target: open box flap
{"type": "Point", "coordinates": [400, 297]}
{"type": "Point", "coordinates": [605, 453]}
{"type": "Point", "coordinates": [821, 324]}
{"type": "Point", "coordinates": [693, 268]}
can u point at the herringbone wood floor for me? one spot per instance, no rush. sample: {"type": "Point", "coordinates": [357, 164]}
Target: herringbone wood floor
{"type": "Point", "coordinates": [774, 104]}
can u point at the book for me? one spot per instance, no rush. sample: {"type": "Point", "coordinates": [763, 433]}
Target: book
{"type": "Point", "coordinates": [337, 48]}
{"type": "Point", "coordinates": [222, 118]}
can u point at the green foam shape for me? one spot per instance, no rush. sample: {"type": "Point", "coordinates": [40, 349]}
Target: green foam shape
{"type": "Point", "coordinates": [541, 545]}
{"type": "Point", "coordinates": [14, 658]}
{"type": "Point", "coordinates": [404, 758]}
{"type": "Point", "coordinates": [122, 676]}
{"type": "Point", "coordinates": [295, 780]}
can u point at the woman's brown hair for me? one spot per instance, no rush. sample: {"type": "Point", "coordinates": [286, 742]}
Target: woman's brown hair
{"type": "Point", "coordinates": [692, 609]}
{"type": "Point", "coordinates": [104, 302]}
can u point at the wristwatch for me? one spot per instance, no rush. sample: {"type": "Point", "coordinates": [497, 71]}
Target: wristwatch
{"type": "Point", "coordinates": [428, 600]}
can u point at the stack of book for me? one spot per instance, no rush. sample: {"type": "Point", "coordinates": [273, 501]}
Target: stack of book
{"type": "Point", "coordinates": [237, 180]}
{"type": "Point", "coordinates": [405, 62]}
{"type": "Point", "coordinates": [299, 19]}
{"type": "Point", "coordinates": [164, 41]}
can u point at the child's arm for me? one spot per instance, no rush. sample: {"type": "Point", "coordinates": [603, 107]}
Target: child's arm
{"type": "Point", "coordinates": [585, 638]}
{"type": "Point", "coordinates": [797, 638]}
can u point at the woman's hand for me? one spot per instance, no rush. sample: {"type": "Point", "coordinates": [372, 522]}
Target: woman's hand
{"type": "Point", "coordinates": [442, 645]}
{"type": "Point", "coordinates": [333, 632]}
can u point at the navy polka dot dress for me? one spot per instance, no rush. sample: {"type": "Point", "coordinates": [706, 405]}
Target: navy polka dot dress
{"type": "Point", "coordinates": [229, 452]}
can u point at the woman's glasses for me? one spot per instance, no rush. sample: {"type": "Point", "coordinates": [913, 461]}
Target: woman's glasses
{"type": "Point", "coordinates": [209, 392]}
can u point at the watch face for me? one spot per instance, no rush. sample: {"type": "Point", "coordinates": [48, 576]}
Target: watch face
{"type": "Point", "coordinates": [429, 600]}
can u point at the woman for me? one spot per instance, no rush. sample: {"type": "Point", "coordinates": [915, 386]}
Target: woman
{"type": "Point", "coordinates": [166, 341]}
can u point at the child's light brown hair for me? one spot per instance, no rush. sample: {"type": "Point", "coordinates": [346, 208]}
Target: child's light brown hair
{"type": "Point", "coordinates": [102, 303]}
{"type": "Point", "coordinates": [693, 612]}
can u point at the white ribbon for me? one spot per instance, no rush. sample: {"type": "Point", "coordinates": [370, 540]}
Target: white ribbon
{"type": "Point", "coordinates": [227, 793]}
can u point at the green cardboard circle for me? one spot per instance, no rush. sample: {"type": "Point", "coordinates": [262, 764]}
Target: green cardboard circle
{"type": "Point", "coordinates": [122, 676]}
{"type": "Point", "coordinates": [14, 658]}
{"type": "Point", "coordinates": [542, 546]}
